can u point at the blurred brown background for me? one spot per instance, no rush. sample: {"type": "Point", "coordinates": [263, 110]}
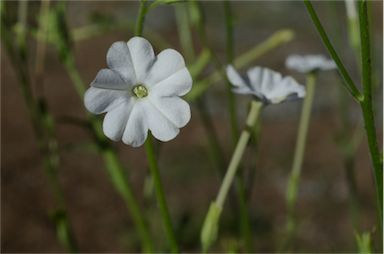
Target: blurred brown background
{"type": "Point", "coordinates": [100, 220]}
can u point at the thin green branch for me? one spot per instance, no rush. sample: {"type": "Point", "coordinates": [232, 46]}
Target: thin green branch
{"type": "Point", "coordinates": [348, 82]}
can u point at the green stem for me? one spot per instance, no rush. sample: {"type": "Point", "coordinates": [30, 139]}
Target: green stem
{"type": "Point", "coordinates": [293, 182]}
{"type": "Point", "coordinates": [348, 83]}
{"type": "Point", "coordinates": [160, 194]}
{"type": "Point", "coordinates": [238, 153]}
{"type": "Point", "coordinates": [211, 222]}
{"type": "Point", "coordinates": [230, 54]}
{"type": "Point", "coordinates": [367, 107]}
{"type": "Point", "coordinates": [141, 18]}
{"type": "Point", "coordinates": [245, 226]}
{"type": "Point", "coordinates": [151, 158]}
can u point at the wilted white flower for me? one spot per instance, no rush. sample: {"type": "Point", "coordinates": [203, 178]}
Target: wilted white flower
{"type": "Point", "coordinates": [140, 92]}
{"type": "Point", "coordinates": [267, 85]}
{"type": "Point", "coordinates": [309, 63]}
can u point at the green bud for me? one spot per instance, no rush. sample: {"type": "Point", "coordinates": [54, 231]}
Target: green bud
{"type": "Point", "coordinates": [211, 224]}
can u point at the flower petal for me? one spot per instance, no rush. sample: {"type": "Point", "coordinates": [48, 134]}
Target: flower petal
{"type": "Point", "coordinates": [109, 79]}
{"type": "Point", "coordinates": [178, 84]}
{"type": "Point", "coordinates": [287, 89]}
{"type": "Point", "coordinates": [136, 130]}
{"type": "Point", "coordinates": [142, 56]}
{"type": "Point", "coordinates": [115, 121]}
{"type": "Point", "coordinates": [160, 126]}
{"type": "Point", "coordinates": [235, 78]}
{"type": "Point", "coordinates": [168, 62]}
{"type": "Point", "coordinates": [175, 109]}
{"type": "Point", "coordinates": [119, 59]}
{"type": "Point", "coordinates": [98, 100]}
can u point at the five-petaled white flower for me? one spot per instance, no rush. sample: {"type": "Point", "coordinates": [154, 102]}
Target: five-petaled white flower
{"type": "Point", "coordinates": [309, 63]}
{"type": "Point", "coordinates": [266, 85]}
{"type": "Point", "coordinates": [140, 92]}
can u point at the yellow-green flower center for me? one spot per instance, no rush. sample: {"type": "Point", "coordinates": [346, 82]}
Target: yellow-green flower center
{"type": "Point", "coordinates": [140, 91]}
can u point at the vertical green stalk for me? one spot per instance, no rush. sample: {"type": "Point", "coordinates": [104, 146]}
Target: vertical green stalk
{"type": "Point", "coordinates": [160, 194]}
{"type": "Point", "coordinates": [293, 182]}
{"type": "Point", "coordinates": [141, 18]}
{"type": "Point", "coordinates": [245, 226]}
{"type": "Point", "coordinates": [367, 107]}
{"type": "Point", "coordinates": [152, 161]}
{"type": "Point", "coordinates": [210, 226]}
{"type": "Point", "coordinates": [230, 56]}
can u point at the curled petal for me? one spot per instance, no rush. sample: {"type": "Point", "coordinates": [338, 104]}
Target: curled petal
{"type": "Point", "coordinates": [142, 56]}
{"type": "Point", "coordinates": [99, 101]}
{"type": "Point", "coordinates": [136, 130]}
{"type": "Point", "coordinates": [167, 63]}
{"type": "Point", "coordinates": [178, 84]}
{"type": "Point", "coordinates": [119, 59]}
{"type": "Point", "coordinates": [235, 78]}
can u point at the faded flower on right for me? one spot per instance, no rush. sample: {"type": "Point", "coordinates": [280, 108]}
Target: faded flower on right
{"type": "Point", "coordinates": [309, 63]}
{"type": "Point", "coordinates": [266, 85]}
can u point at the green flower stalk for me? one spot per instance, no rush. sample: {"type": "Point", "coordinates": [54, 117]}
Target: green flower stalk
{"type": "Point", "coordinates": [210, 226]}
{"type": "Point", "coordinates": [267, 87]}
{"type": "Point", "coordinates": [293, 183]}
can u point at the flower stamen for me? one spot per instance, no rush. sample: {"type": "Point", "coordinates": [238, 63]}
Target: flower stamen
{"type": "Point", "coordinates": [140, 91]}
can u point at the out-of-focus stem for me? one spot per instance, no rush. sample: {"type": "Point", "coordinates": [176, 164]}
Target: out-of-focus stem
{"type": "Point", "coordinates": [293, 182]}
{"type": "Point", "coordinates": [141, 18]}
{"type": "Point", "coordinates": [210, 226]}
{"type": "Point", "coordinates": [245, 226]}
{"type": "Point", "coordinates": [159, 190]}
{"type": "Point", "coordinates": [42, 123]}
{"type": "Point", "coordinates": [230, 56]}
{"type": "Point", "coordinates": [238, 153]}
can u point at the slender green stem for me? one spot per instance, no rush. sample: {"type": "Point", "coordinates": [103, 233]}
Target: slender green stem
{"type": "Point", "coordinates": [141, 18]}
{"type": "Point", "coordinates": [238, 153]}
{"type": "Point", "coordinates": [293, 182]}
{"type": "Point", "coordinates": [230, 56]}
{"type": "Point", "coordinates": [367, 107]}
{"type": "Point", "coordinates": [211, 222]}
{"type": "Point", "coordinates": [160, 194]}
{"type": "Point", "coordinates": [152, 161]}
{"type": "Point", "coordinates": [245, 226]}
{"type": "Point", "coordinates": [348, 82]}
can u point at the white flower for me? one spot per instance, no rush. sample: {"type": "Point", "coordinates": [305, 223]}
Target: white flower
{"type": "Point", "coordinates": [266, 85]}
{"type": "Point", "coordinates": [309, 63]}
{"type": "Point", "coordinates": [140, 92]}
